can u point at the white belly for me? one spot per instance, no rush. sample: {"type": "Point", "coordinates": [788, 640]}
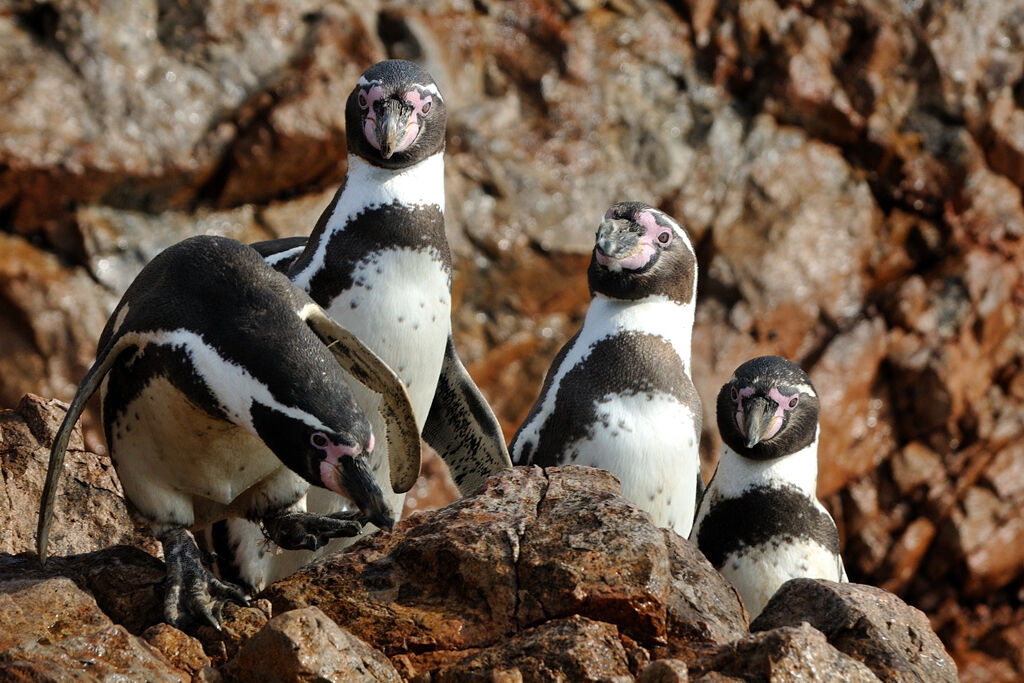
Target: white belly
{"type": "Point", "coordinates": [758, 572]}
{"type": "Point", "coordinates": [648, 442]}
{"type": "Point", "coordinates": [179, 465]}
{"type": "Point", "coordinates": [405, 318]}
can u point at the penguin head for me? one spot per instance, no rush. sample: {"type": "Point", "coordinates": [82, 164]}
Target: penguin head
{"type": "Point", "coordinates": [640, 252]}
{"type": "Point", "coordinates": [395, 116]}
{"type": "Point", "coordinates": [768, 409]}
{"type": "Point", "coordinates": [332, 458]}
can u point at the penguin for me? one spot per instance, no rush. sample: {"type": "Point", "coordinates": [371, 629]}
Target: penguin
{"type": "Point", "coordinates": [224, 393]}
{"type": "Point", "coordinates": [760, 523]}
{"type": "Point", "coordinates": [379, 263]}
{"type": "Point", "coordinates": [619, 395]}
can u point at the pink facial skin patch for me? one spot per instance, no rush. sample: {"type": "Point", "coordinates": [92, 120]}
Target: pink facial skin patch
{"type": "Point", "coordinates": [329, 467]}
{"type": "Point", "coordinates": [784, 404]}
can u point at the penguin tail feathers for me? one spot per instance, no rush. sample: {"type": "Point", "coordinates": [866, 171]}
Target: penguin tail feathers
{"type": "Point", "coordinates": [90, 383]}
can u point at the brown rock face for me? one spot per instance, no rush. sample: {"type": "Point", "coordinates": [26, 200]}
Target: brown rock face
{"type": "Point", "coordinates": [52, 631]}
{"type": "Point", "coordinates": [125, 582]}
{"type": "Point", "coordinates": [571, 649]}
{"type": "Point", "coordinates": [530, 547]}
{"type": "Point", "coordinates": [305, 644]}
{"type": "Point", "coordinates": [789, 653]}
{"type": "Point", "coordinates": [873, 626]}
{"type": "Point", "coordinates": [90, 511]}
{"type": "Point", "coordinates": [850, 174]}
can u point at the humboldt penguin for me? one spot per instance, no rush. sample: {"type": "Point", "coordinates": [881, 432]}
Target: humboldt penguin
{"type": "Point", "coordinates": [619, 395]}
{"type": "Point", "coordinates": [225, 393]}
{"type": "Point", "coordinates": [378, 261]}
{"type": "Point", "coordinates": [760, 523]}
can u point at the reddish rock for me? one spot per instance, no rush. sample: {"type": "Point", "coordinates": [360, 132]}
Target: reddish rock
{"type": "Point", "coordinates": [90, 512]}
{"type": "Point", "coordinates": [184, 652]}
{"type": "Point", "coordinates": [305, 644]}
{"type": "Point", "coordinates": [126, 582]}
{"type": "Point", "coordinates": [664, 671]}
{"type": "Point", "coordinates": [857, 432]}
{"type": "Point", "coordinates": [571, 649]}
{"type": "Point", "coordinates": [788, 653]}
{"type": "Point", "coordinates": [46, 609]}
{"type": "Point", "coordinates": [870, 625]}
{"type": "Point", "coordinates": [107, 654]}
{"type": "Point", "coordinates": [787, 267]}
{"type": "Point", "coordinates": [529, 547]}
{"type": "Point", "coordinates": [238, 624]}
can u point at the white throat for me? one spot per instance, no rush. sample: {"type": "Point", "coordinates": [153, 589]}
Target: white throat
{"type": "Point", "coordinates": [369, 187]}
{"type": "Point", "coordinates": [655, 315]}
{"type": "Point", "coordinates": [736, 474]}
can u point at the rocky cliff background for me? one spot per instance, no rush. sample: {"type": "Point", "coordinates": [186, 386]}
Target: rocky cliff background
{"type": "Point", "coordinates": [850, 174]}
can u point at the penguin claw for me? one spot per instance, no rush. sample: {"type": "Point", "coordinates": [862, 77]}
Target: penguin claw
{"type": "Point", "coordinates": [307, 531]}
{"type": "Point", "coordinates": [194, 595]}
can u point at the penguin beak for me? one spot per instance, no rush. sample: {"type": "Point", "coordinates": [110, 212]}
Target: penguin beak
{"type": "Point", "coordinates": [757, 419]}
{"type": "Point", "coordinates": [615, 240]}
{"type": "Point", "coordinates": [392, 120]}
{"type": "Point", "coordinates": [362, 488]}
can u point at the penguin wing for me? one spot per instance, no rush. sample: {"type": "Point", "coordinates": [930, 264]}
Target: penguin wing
{"type": "Point", "coordinates": [462, 428]}
{"type": "Point", "coordinates": [365, 366]}
{"type": "Point", "coordinates": [280, 253]}
{"type": "Point", "coordinates": [90, 383]}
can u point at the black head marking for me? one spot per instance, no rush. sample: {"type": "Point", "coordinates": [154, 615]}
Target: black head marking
{"type": "Point", "coordinates": [768, 409]}
{"type": "Point", "coordinates": [640, 252]}
{"type": "Point", "coordinates": [395, 116]}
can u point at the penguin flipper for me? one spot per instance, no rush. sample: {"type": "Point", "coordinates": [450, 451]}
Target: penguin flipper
{"type": "Point", "coordinates": [281, 252]}
{"type": "Point", "coordinates": [90, 383]}
{"type": "Point", "coordinates": [403, 436]}
{"type": "Point", "coordinates": [462, 428]}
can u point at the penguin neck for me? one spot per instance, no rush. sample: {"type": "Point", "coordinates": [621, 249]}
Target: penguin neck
{"type": "Point", "coordinates": [368, 187]}
{"type": "Point", "coordinates": [737, 474]}
{"type": "Point", "coordinates": [655, 315]}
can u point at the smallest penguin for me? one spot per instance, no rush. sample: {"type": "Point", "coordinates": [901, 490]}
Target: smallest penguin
{"type": "Point", "coordinates": [760, 523]}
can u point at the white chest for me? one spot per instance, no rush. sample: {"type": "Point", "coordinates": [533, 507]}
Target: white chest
{"type": "Point", "coordinates": [173, 458]}
{"type": "Point", "coordinates": [648, 442]}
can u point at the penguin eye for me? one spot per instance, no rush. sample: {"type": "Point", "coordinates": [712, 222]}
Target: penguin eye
{"type": "Point", "coordinates": [319, 440]}
{"type": "Point", "coordinates": [665, 237]}
{"type": "Point", "coordinates": [793, 401]}
{"type": "Point", "coordinates": [733, 394]}
{"type": "Point", "coordinates": [362, 99]}
{"type": "Point", "coordinates": [426, 107]}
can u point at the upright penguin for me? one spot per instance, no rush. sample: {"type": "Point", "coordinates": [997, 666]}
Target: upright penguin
{"type": "Point", "coordinates": [223, 394]}
{"type": "Point", "coordinates": [619, 394]}
{"type": "Point", "coordinates": [760, 523]}
{"type": "Point", "coordinates": [378, 261]}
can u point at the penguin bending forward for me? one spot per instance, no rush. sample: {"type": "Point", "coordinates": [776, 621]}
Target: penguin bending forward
{"type": "Point", "coordinates": [619, 394]}
{"type": "Point", "coordinates": [378, 262]}
{"type": "Point", "coordinates": [225, 394]}
{"type": "Point", "coordinates": [760, 523]}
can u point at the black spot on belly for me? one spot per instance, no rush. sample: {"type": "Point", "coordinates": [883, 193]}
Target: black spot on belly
{"type": "Point", "coordinates": [627, 364]}
{"type": "Point", "coordinates": [760, 516]}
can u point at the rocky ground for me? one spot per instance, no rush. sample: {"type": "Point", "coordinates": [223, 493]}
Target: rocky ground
{"type": "Point", "coordinates": [542, 575]}
{"type": "Point", "coordinates": [851, 175]}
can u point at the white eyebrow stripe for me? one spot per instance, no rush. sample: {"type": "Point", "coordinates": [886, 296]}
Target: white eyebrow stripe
{"type": "Point", "coordinates": [427, 87]}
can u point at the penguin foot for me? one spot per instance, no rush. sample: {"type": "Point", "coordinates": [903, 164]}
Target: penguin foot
{"type": "Point", "coordinates": [194, 595]}
{"type": "Point", "coordinates": [307, 531]}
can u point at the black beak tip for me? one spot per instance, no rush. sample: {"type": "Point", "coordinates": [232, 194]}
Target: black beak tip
{"type": "Point", "coordinates": [383, 520]}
